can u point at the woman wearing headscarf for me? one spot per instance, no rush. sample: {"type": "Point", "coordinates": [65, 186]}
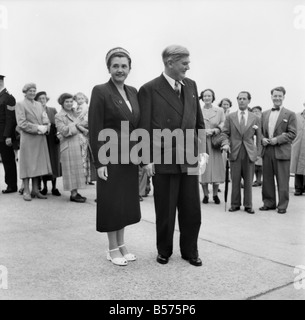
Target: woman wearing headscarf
{"type": "Point", "coordinates": [34, 159]}
{"type": "Point", "coordinates": [69, 131]}
{"type": "Point", "coordinates": [118, 184]}
{"type": "Point", "coordinates": [53, 146]}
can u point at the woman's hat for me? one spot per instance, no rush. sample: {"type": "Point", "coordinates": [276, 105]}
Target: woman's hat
{"type": "Point", "coordinates": [29, 86]}
{"type": "Point", "coordinates": [41, 93]}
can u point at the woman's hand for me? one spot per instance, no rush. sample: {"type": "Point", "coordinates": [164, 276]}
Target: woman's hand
{"type": "Point", "coordinates": [103, 173]}
{"type": "Point", "coordinates": [150, 169]}
{"type": "Point", "coordinates": [42, 129]}
{"type": "Point", "coordinates": [209, 132]}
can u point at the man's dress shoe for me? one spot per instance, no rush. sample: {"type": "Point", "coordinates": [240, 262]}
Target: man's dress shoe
{"type": "Point", "coordinates": [249, 210]}
{"type": "Point", "coordinates": [44, 191]}
{"type": "Point", "coordinates": [281, 211]}
{"type": "Point", "coordinates": [233, 209]}
{"type": "Point", "coordinates": [56, 193]}
{"type": "Point", "coordinates": [264, 208]}
{"type": "Point", "coordinates": [161, 259]}
{"type": "Point", "coordinates": [10, 190]}
{"type": "Point", "coordinates": [197, 262]}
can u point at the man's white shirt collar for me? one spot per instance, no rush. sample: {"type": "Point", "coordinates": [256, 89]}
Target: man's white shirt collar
{"type": "Point", "coordinates": [172, 81]}
{"type": "Point", "coordinates": [245, 115]}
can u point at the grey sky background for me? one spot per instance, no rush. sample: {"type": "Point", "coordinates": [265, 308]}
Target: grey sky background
{"type": "Point", "coordinates": [235, 45]}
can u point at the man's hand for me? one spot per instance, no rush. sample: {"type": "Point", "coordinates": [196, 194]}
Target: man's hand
{"type": "Point", "coordinates": [273, 141]}
{"type": "Point", "coordinates": [226, 148]}
{"type": "Point", "coordinates": [103, 173]}
{"type": "Point", "coordinates": [8, 142]}
{"type": "Point", "coordinates": [265, 142]}
{"type": "Point", "coordinates": [150, 169]}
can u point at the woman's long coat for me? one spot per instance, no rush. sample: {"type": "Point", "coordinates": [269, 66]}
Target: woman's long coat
{"type": "Point", "coordinates": [34, 156]}
{"type": "Point", "coordinates": [70, 151]}
{"type": "Point", "coordinates": [53, 144]}
{"type": "Point", "coordinates": [215, 170]}
{"type": "Point", "coordinates": [298, 147]}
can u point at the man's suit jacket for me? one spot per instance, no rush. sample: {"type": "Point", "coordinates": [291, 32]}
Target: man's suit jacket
{"type": "Point", "coordinates": [162, 109]}
{"type": "Point", "coordinates": [285, 131]}
{"type": "Point", "coordinates": [106, 111]}
{"type": "Point", "coordinates": [8, 121]}
{"type": "Point", "coordinates": [234, 134]}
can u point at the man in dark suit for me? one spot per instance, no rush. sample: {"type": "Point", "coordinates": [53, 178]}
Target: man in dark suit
{"type": "Point", "coordinates": [279, 129]}
{"type": "Point", "coordinates": [7, 135]}
{"type": "Point", "coordinates": [170, 102]}
{"type": "Point", "coordinates": [239, 129]}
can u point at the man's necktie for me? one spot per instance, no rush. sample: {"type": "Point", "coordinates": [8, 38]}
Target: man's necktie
{"type": "Point", "coordinates": [275, 109]}
{"type": "Point", "coordinates": [242, 122]}
{"type": "Point", "coordinates": [177, 89]}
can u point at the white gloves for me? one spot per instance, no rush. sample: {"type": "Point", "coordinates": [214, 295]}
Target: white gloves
{"type": "Point", "coordinates": [204, 159]}
{"type": "Point", "coordinates": [42, 129]}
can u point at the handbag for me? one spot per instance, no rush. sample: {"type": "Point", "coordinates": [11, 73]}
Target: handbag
{"type": "Point", "coordinates": [216, 140]}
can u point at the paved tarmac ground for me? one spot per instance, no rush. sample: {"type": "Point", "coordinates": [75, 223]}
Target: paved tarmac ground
{"type": "Point", "coordinates": [51, 251]}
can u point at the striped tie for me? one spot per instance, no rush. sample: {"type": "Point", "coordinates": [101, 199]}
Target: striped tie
{"type": "Point", "coordinates": [177, 89]}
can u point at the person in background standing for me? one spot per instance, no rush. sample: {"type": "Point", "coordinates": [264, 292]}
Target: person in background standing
{"type": "Point", "coordinates": [81, 111]}
{"type": "Point", "coordinates": [34, 159]}
{"type": "Point", "coordinates": [257, 110]}
{"type": "Point", "coordinates": [240, 129]}
{"type": "Point", "coordinates": [298, 155]}
{"type": "Point", "coordinates": [279, 129]}
{"type": "Point", "coordinates": [214, 119]}
{"type": "Point", "coordinates": [226, 105]}
{"type": "Point", "coordinates": [7, 137]}
{"type": "Point", "coordinates": [69, 132]}
{"type": "Point", "coordinates": [53, 145]}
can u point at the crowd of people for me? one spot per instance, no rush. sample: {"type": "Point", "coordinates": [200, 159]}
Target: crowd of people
{"type": "Point", "coordinates": [267, 145]}
{"type": "Point", "coordinates": [50, 144]}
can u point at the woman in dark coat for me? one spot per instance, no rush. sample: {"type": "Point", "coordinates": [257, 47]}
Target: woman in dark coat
{"type": "Point", "coordinates": [118, 184]}
{"type": "Point", "coordinates": [53, 145]}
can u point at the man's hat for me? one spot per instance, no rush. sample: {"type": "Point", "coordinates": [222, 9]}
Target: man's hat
{"type": "Point", "coordinates": [2, 77]}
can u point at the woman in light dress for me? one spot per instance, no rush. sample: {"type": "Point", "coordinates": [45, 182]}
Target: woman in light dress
{"type": "Point", "coordinates": [214, 119]}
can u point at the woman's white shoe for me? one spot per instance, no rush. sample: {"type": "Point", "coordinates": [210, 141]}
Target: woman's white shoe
{"type": "Point", "coordinates": [128, 256]}
{"type": "Point", "coordinates": [116, 261]}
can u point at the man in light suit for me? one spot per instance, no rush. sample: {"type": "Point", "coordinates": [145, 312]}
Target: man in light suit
{"type": "Point", "coordinates": [239, 129]}
{"type": "Point", "coordinates": [171, 102]}
{"type": "Point", "coordinates": [279, 129]}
